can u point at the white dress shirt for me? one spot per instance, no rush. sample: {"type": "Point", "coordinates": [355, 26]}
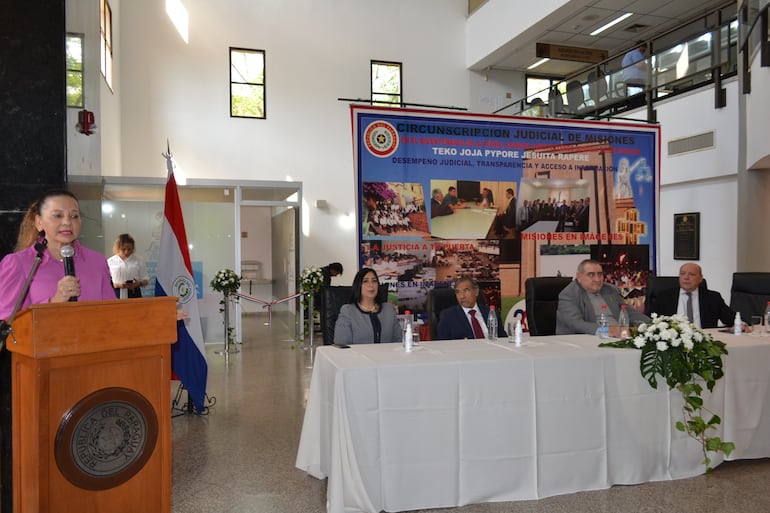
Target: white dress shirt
{"type": "Point", "coordinates": [681, 309]}
{"type": "Point", "coordinates": [482, 321]}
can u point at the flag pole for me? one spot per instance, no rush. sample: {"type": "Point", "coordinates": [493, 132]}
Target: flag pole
{"type": "Point", "coordinates": [175, 277]}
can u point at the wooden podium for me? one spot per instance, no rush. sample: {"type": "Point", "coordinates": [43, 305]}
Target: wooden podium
{"type": "Point", "coordinates": [91, 408]}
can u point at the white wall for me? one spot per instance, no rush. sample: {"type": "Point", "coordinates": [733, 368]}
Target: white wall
{"type": "Point", "coordinates": [754, 184]}
{"type": "Point", "coordinates": [109, 116]}
{"type": "Point", "coordinates": [757, 111]}
{"type": "Point", "coordinates": [493, 90]}
{"type": "Point", "coordinates": [693, 114]}
{"type": "Point", "coordinates": [320, 51]}
{"type": "Point", "coordinates": [84, 151]}
{"type": "Point", "coordinates": [495, 23]}
{"type": "Point", "coordinates": [702, 181]}
{"type": "Point", "coordinates": [316, 52]}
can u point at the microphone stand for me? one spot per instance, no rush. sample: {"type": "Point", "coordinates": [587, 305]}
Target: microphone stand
{"type": "Point", "coordinates": [5, 326]}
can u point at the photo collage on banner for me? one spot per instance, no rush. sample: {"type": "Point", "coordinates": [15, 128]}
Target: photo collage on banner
{"type": "Point", "coordinates": [501, 199]}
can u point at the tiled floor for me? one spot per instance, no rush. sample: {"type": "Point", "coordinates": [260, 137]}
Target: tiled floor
{"type": "Point", "coordinates": [240, 457]}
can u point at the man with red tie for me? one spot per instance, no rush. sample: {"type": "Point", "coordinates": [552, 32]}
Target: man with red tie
{"type": "Point", "coordinates": [468, 319]}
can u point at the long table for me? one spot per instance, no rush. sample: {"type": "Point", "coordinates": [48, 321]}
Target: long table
{"type": "Point", "coordinates": [464, 223]}
{"type": "Point", "coordinates": [461, 422]}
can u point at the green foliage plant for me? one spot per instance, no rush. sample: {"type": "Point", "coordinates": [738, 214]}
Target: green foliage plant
{"type": "Point", "coordinates": [686, 358]}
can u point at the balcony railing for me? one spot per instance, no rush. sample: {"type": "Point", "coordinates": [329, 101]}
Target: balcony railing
{"type": "Point", "coordinates": [681, 60]}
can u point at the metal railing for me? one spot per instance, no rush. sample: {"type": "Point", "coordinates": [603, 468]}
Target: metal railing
{"type": "Point", "coordinates": [681, 60]}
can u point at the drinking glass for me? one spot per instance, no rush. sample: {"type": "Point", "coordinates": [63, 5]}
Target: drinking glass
{"type": "Point", "coordinates": [756, 325]}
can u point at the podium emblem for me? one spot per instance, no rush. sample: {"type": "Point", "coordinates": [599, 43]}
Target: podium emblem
{"type": "Point", "coordinates": [106, 438]}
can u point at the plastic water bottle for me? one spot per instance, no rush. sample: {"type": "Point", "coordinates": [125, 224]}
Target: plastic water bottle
{"type": "Point", "coordinates": [603, 331]}
{"type": "Point", "coordinates": [738, 324]}
{"type": "Point", "coordinates": [407, 316]}
{"type": "Point", "coordinates": [623, 322]}
{"type": "Point", "coordinates": [517, 333]}
{"type": "Point", "coordinates": [492, 324]}
{"type": "Point", "coordinates": [408, 339]}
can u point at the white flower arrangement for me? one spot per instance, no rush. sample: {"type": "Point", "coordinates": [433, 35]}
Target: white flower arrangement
{"type": "Point", "coordinates": [311, 279]}
{"type": "Point", "coordinates": [226, 281]}
{"type": "Point", "coordinates": [685, 356]}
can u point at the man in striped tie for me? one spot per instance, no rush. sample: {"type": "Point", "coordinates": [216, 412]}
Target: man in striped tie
{"type": "Point", "coordinates": [703, 307]}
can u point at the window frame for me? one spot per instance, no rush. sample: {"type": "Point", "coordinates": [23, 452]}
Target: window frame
{"type": "Point", "coordinates": [372, 92]}
{"type": "Point", "coordinates": [105, 36]}
{"type": "Point", "coordinates": [68, 70]}
{"type": "Point", "coordinates": [552, 81]}
{"type": "Point", "coordinates": [263, 84]}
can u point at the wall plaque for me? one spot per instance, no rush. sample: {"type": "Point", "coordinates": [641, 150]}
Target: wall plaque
{"type": "Point", "coordinates": [687, 236]}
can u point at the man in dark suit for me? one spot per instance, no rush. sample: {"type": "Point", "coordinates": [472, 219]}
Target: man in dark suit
{"type": "Point", "coordinates": [705, 306]}
{"type": "Point", "coordinates": [333, 269]}
{"type": "Point", "coordinates": [437, 207]}
{"type": "Point", "coordinates": [505, 222]}
{"type": "Point", "coordinates": [468, 319]}
{"type": "Point", "coordinates": [582, 215]}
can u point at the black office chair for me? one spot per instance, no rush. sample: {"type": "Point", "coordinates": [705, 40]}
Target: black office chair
{"type": "Point", "coordinates": [750, 293]}
{"type": "Point", "coordinates": [657, 284]}
{"type": "Point", "coordinates": [541, 296]}
{"type": "Point", "coordinates": [439, 298]}
{"type": "Point", "coordinates": [332, 299]}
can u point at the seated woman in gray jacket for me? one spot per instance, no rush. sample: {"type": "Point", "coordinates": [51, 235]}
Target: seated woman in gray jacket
{"type": "Point", "coordinates": [365, 320]}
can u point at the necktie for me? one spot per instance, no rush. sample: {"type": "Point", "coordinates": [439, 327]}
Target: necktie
{"type": "Point", "coordinates": [688, 306]}
{"type": "Point", "coordinates": [477, 331]}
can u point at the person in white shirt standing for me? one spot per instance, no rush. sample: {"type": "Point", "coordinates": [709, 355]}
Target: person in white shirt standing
{"type": "Point", "coordinates": [129, 273]}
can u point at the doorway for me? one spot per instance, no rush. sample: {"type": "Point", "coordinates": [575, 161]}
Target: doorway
{"type": "Point", "coordinates": [251, 227]}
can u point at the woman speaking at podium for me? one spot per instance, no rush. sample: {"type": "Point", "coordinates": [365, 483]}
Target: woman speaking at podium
{"type": "Point", "coordinates": [53, 220]}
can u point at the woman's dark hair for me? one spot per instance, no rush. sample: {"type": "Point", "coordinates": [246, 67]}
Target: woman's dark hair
{"type": "Point", "coordinates": [359, 280]}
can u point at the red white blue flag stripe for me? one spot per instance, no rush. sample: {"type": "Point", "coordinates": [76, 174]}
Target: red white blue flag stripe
{"type": "Point", "coordinates": [175, 278]}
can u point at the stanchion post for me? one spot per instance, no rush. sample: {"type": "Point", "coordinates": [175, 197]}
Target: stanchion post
{"type": "Point", "coordinates": [311, 320]}
{"type": "Point", "coordinates": [226, 311]}
{"type": "Point", "coordinates": [226, 351]}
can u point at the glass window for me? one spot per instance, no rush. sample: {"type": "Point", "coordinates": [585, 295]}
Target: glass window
{"type": "Point", "coordinates": [538, 87]}
{"type": "Point", "coordinates": [74, 70]}
{"type": "Point", "coordinates": [729, 52]}
{"type": "Point", "coordinates": [105, 32]}
{"type": "Point", "coordinates": [386, 83]}
{"type": "Point", "coordinates": [247, 83]}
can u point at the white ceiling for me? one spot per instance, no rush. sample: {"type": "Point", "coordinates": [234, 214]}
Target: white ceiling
{"type": "Point", "coordinates": [571, 24]}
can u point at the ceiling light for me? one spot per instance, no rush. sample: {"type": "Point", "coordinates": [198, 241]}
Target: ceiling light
{"type": "Point", "coordinates": [611, 24]}
{"type": "Point", "coordinates": [538, 63]}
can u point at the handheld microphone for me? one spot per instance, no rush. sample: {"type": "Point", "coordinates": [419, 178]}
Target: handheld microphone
{"type": "Point", "coordinates": [67, 252]}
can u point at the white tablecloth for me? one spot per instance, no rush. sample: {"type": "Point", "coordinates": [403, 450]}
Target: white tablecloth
{"type": "Point", "coordinates": [460, 422]}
